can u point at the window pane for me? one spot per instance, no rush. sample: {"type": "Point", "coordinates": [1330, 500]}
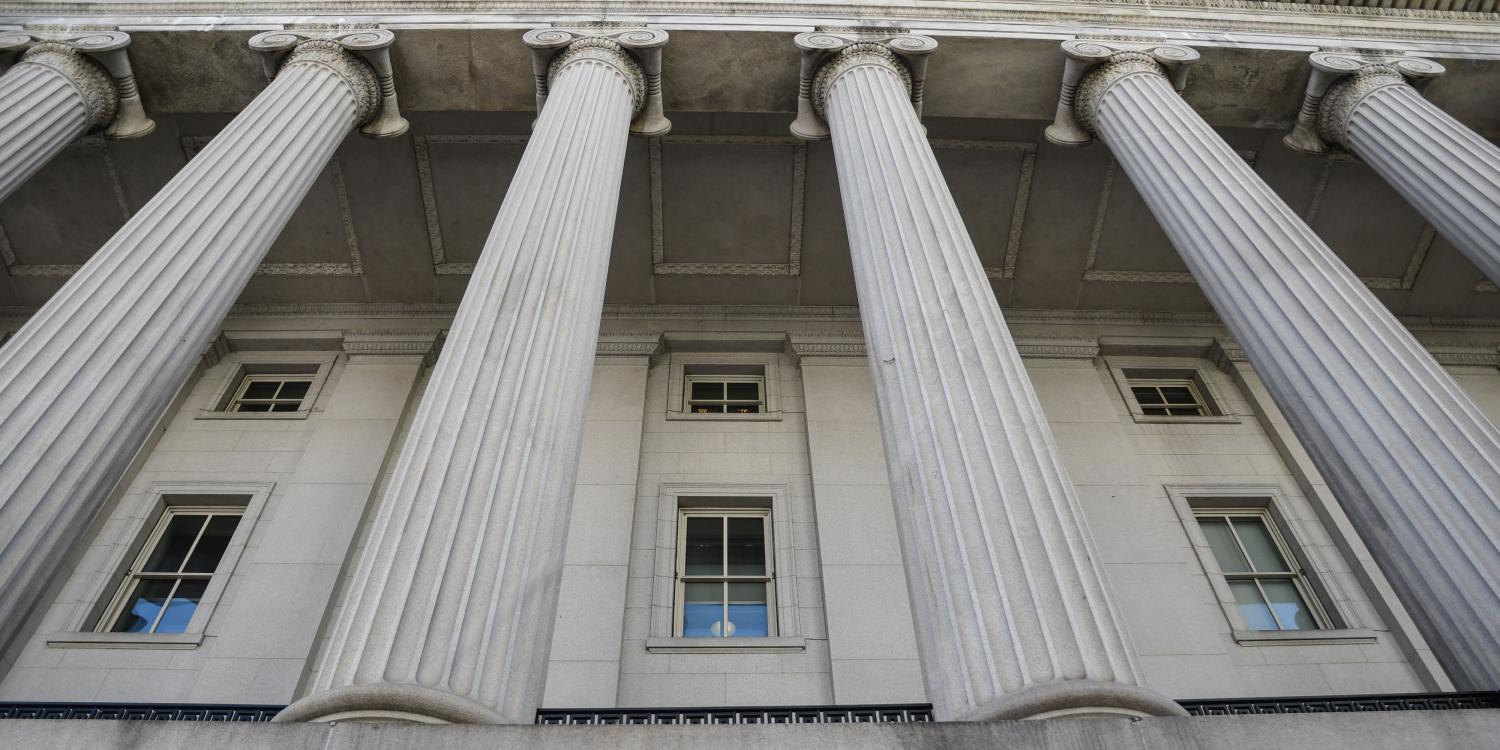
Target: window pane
{"type": "Point", "coordinates": [294, 389]}
{"type": "Point", "coordinates": [703, 551]}
{"type": "Point", "coordinates": [1258, 542]}
{"type": "Point", "coordinates": [1254, 609]}
{"type": "Point", "coordinates": [211, 546]}
{"type": "Point", "coordinates": [1176, 394]}
{"type": "Point", "coordinates": [175, 542]}
{"type": "Point", "coordinates": [1190, 412]}
{"type": "Point", "coordinates": [286, 407]}
{"type": "Point", "coordinates": [702, 609]}
{"type": "Point", "coordinates": [1291, 610]}
{"type": "Point", "coordinates": [747, 610]}
{"type": "Point", "coordinates": [261, 389]}
{"type": "Point", "coordinates": [747, 547]}
{"type": "Point", "coordinates": [708, 408]}
{"type": "Point", "coordinates": [744, 391]}
{"type": "Point", "coordinates": [255, 407]}
{"type": "Point", "coordinates": [1154, 412]}
{"type": "Point", "coordinates": [142, 606]}
{"type": "Point", "coordinates": [704, 391]}
{"type": "Point", "coordinates": [1146, 395]}
{"type": "Point", "coordinates": [744, 409]}
{"type": "Point", "coordinates": [180, 610]}
{"type": "Point", "coordinates": [1226, 552]}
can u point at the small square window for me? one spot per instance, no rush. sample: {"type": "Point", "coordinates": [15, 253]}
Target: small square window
{"type": "Point", "coordinates": [1169, 397]}
{"type": "Point", "coordinates": [165, 584]}
{"type": "Point", "coordinates": [1269, 590]}
{"type": "Point", "coordinates": [270, 393]}
{"type": "Point", "coordinates": [725, 394]}
{"type": "Point", "coordinates": [725, 582]}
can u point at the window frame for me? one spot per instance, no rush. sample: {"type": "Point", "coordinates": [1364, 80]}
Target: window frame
{"type": "Point", "coordinates": [1200, 403]}
{"type": "Point", "coordinates": [710, 365]}
{"type": "Point", "coordinates": [239, 398]}
{"type": "Point", "coordinates": [134, 573]}
{"type": "Point", "coordinates": [240, 367]}
{"type": "Point", "coordinates": [1198, 373]}
{"type": "Point", "coordinates": [142, 514]}
{"type": "Point", "coordinates": [681, 578]}
{"type": "Point", "coordinates": [1328, 593]}
{"type": "Point", "coordinates": [689, 380]}
{"type": "Point", "coordinates": [1295, 573]}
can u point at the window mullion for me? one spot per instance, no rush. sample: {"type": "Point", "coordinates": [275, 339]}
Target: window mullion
{"type": "Point", "coordinates": [1228, 521]}
{"type": "Point", "coordinates": [160, 613]}
{"type": "Point", "coordinates": [1267, 601]}
{"type": "Point", "coordinates": [194, 546]}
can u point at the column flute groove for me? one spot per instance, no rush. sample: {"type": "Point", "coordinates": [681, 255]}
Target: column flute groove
{"type": "Point", "coordinates": [1009, 601]}
{"type": "Point", "coordinates": [84, 380]}
{"type": "Point", "coordinates": [449, 615]}
{"type": "Point", "coordinates": [1409, 456]}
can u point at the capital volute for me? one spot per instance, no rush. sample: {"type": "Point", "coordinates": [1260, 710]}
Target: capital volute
{"type": "Point", "coordinates": [1093, 66]}
{"type": "Point", "coordinates": [633, 51]}
{"type": "Point", "coordinates": [96, 63]}
{"type": "Point", "coordinates": [828, 54]}
{"type": "Point", "coordinates": [360, 56]}
{"type": "Point", "coordinates": [1339, 82]}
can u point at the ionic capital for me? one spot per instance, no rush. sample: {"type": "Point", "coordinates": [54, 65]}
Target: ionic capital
{"type": "Point", "coordinates": [360, 56]}
{"type": "Point", "coordinates": [1339, 82]}
{"type": "Point", "coordinates": [828, 54]}
{"type": "Point", "coordinates": [1093, 66]}
{"type": "Point", "coordinates": [96, 64]}
{"type": "Point", "coordinates": [633, 51]}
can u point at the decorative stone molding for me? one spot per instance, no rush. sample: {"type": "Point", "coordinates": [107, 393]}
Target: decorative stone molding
{"type": "Point", "coordinates": [1339, 82]}
{"type": "Point", "coordinates": [216, 350]}
{"type": "Point", "coordinates": [361, 56]}
{"type": "Point", "coordinates": [96, 62]}
{"type": "Point", "coordinates": [634, 51]}
{"type": "Point", "coordinates": [1094, 65]}
{"type": "Point", "coordinates": [648, 345]}
{"type": "Point", "coordinates": [426, 343]}
{"type": "Point", "coordinates": [798, 347]}
{"type": "Point", "coordinates": [828, 53]}
{"type": "Point", "coordinates": [1057, 348]}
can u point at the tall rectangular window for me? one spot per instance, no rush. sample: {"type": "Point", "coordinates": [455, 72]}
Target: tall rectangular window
{"type": "Point", "coordinates": [1272, 594]}
{"type": "Point", "coordinates": [725, 581]}
{"type": "Point", "coordinates": [167, 580]}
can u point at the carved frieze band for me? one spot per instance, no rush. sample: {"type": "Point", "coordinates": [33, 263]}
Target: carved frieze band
{"type": "Point", "coordinates": [191, 145]}
{"type": "Point", "coordinates": [648, 345]}
{"type": "Point", "coordinates": [828, 52]}
{"type": "Point", "coordinates": [96, 62]}
{"type": "Point", "coordinates": [792, 267]}
{"type": "Point", "coordinates": [360, 56]}
{"type": "Point", "coordinates": [634, 51]}
{"type": "Point", "coordinates": [1093, 65]}
{"type": "Point", "coordinates": [425, 343]}
{"type": "Point", "coordinates": [1339, 82]}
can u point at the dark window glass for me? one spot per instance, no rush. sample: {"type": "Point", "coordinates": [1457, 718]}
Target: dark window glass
{"type": "Point", "coordinates": [211, 545]}
{"type": "Point", "coordinates": [747, 547]}
{"type": "Point", "coordinates": [294, 389]}
{"type": "Point", "coordinates": [704, 552]}
{"type": "Point", "coordinates": [174, 545]}
{"type": "Point", "coordinates": [744, 391]}
{"type": "Point", "coordinates": [1145, 395]}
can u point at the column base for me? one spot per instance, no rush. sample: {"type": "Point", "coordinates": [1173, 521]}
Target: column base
{"type": "Point", "coordinates": [413, 704]}
{"type": "Point", "coordinates": [1077, 700]}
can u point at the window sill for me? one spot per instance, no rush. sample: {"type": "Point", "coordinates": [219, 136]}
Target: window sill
{"type": "Point", "coordinates": [1340, 637]}
{"type": "Point", "coordinates": [125, 640]}
{"type": "Point", "coordinates": [211, 414]}
{"type": "Point", "coordinates": [1154, 419]}
{"type": "Point", "coordinates": [777, 645]}
{"type": "Point", "coordinates": [765, 416]}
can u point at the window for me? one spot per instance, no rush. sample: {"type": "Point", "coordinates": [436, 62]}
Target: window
{"type": "Point", "coordinates": [265, 393]}
{"type": "Point", "coordinates": [725, 394]}
{"type": "Point", "coordinates": [725, 581]}
{"type": "Point", "coordinates": [1271, 593]}
{"type": "Point", "coordinates": [165, 584]}
{"type": "Point", "coordinates": [1169, 398]}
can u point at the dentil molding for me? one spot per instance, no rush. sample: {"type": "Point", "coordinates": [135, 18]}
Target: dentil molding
{"type": "Point", "coordinates": [96, 62]}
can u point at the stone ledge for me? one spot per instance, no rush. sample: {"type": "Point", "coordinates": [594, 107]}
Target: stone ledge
{"type": "Point", "coordinates": [1333, 731]}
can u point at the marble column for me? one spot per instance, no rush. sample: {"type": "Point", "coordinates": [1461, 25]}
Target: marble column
{"type": "Point", "coordinates": [1447, 171]}
{"type": "Point", "coordinates": [1412, 460]}
{"type": "Point", "coordinates": [449, 615]}
{"type": "Point", "coordinates": [1012, 613]}
{"type": "Point", "coordinates": [82, 383]}
{"type": "Point", "coordinates": [64, 85]}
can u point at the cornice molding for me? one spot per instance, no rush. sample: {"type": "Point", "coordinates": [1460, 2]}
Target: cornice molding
{"type": "Point", "coordinates": [648, 345]}
{"type": "Point", "coordinates": [425, 343]}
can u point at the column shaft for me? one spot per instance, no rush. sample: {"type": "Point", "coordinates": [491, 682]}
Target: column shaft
{"type": "Point", "coordinates": [84, 380]}
{"type": "Point", "coordinates": [1409, 456]}
{"type": "Point", "coordinates": [1012, 615]}
{"type": "Point", "coordinates": [47, 99]}
{"type": "Point", "coordinates": [450, 614]}
{"type": "Point", "coordinates": [1449, 173]}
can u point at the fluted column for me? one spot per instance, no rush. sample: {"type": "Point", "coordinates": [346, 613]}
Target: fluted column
{"type": "Point", "coordinates": [1414, 463]}
{"type": "Point", "coordinates": [1447, 171]}
{"type": "Point", "coordinates": [1012, 614]}
{"type": "Point", "coordinates": [84, 380]}
{"type": "Point", "coordinates": [50, 97]}
{"type": "Point", "coordinates": [449, 616]}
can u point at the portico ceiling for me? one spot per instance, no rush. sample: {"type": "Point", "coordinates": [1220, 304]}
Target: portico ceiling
{"type": "Point", "coordinates": [729, 209]}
